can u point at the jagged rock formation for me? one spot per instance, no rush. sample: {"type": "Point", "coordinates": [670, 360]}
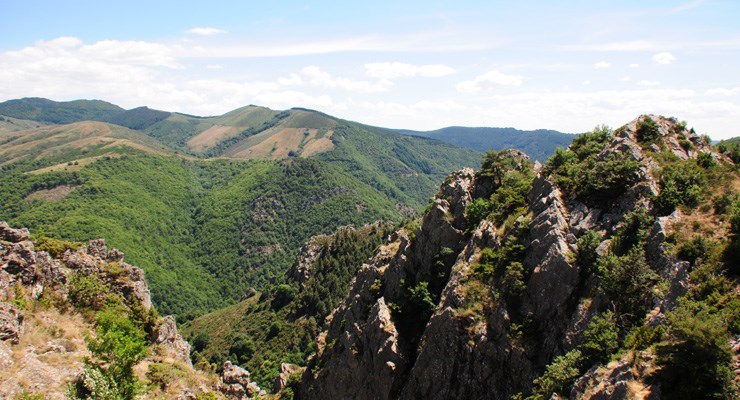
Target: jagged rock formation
{"type": "Point", "coordinates": [487, 337]}
{"type": "Point", "coordinates": [235, 383]}
{"type": "Point", "coordinates": [171, 341]}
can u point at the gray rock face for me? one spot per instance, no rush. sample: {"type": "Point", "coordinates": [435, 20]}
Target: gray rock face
{"type": "Point", "coordinates": [11, 323]}
{"type": "Point", "coordinates": [169, 339]}
{"type": "Point", "coordinates": [475, 345]}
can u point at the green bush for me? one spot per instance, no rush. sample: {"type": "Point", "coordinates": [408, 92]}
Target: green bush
{"type": "Point", "coordinates": [695, 356]}
{"type": "Point", "coordinates": [586, 256]}
{"type": "Point", "coordinates": [87, 291]}
{"type": "Point", "coordinates": [161, 375]}
{"type": "Point", "coordinates": [681, 184]}
{"type": "Point", "coordinates": [705, 160]}
{"type": "Point", "coordinates": [601, 339]}
{"type": "Point", "coordinates": [592, 176]}
{"type": "Point", "coordinates": [117, 347]}
{"type": "Point", "coordinates": [647, 130]}
{"type": "Point", "coordinates": [627, 280]}
{"type": "Point", "coordinates": [632, 232]}
{"type": "Point", "coordinates": [559, 376]}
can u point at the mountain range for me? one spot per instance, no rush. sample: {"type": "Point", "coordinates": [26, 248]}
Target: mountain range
{"type": "Point", "coordinates": [297, 245]}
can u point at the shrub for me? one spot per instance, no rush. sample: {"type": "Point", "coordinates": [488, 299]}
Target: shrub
{"type": "Point", "coordinates": [87, 291]}
{"type": "Point", "coordinates": [681, 183]}
{"type": "Point", "coordinates": [632, 232]}
{"type": "Point", "coordinates": [160, 374]}
{"type": "Point", "coordinates": [559, 375]}
{"type": "Point", "coordinates": [705, 160]}
{"type": "Point", "coordinates": [627, 280]}
{"type": "Point", "coordinates": [117, 347]}
{"type": "Point", "coordinates": [284, 294]}
{"type": "Point", "coordinates": [695, 357]}
{"type": "Point", "coordinates": [586, 256]}
{"type": "Point", "coordinates": [647, 130]}
{"type": "Point", "coordinates": [601, 339]}
{"type": "Point", "coordinates": [592, 176]}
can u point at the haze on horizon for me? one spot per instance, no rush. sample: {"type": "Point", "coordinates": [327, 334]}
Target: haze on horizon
{"type": "Point", "coordinates": [565, 65]}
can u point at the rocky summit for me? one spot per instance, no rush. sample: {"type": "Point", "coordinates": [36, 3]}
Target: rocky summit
{"type": "Point", "coordinates": [566, 280]}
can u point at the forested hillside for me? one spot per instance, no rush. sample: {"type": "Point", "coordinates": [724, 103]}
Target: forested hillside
{"type": "Point", "coordinates": [538, 144]}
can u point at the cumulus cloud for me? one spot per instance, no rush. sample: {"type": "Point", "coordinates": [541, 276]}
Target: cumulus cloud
{"type": "Point", "coordinates": [391, 70]}
{"type": "Point", "coordinates": [317, 77]}
{"type": "Point", "coordinates": [664, 58]}
{"type": "Point", "coordinates": [634, 65]}
{"type": "Point", "coordinates": [602, 64]}
{"type": "Point", "coordinates": [205, 31]}
{"type": "Point", "coordinates": [488, 80]}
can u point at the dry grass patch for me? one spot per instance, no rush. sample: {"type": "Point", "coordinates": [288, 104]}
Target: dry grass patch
{"type": "Point", "coordinates": [211, 136]}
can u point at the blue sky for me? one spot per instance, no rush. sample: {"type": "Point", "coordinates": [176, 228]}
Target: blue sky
{"type": "Point", "coordinates": [566, 65]}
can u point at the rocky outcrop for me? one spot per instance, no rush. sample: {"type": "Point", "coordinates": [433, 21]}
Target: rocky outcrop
{"type": "Point", "coordinates": [619, 380]}
{"type": "Point", "coordinates": [172, 342]}
{"type": "Point", "coordinates": [11, 323]}
{"type": "Point", "coordinates": [286, 371]}
{"type": "Point", "coordinates": [8, 234]}
{"type": "Point", "coordinates": [480, 342]}
{"type": "Point", "coordinates": [95, 258]}
{"type": "Point", "coordinates": [235, 383]}
{"type": "Point", "coordinates": [363, 355]}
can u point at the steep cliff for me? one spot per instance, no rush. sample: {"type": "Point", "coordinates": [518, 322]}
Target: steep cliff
{"type": "Point", "coordinates": [519, 278]}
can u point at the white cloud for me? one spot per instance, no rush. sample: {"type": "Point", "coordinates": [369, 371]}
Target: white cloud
{"type": "Point", "coordinates": [214, 66]}
{"type": "Point", "coordinates": [664, 58]}
{"type": "Point", "coordinates": [586, 83]}
{"type": "Point", "coordinates": [648, 83]}
{"type": "Point", "coordinates": [625, 78]}
{"type": "Point", "coordinates": [317, 77]}
{"type": "Point", "coordinates": [391, 70]}
{"type": "Point", "coordinates": [489, 80]}
{"type": "Point", "coordinates": [290, 80]}
{"type": "Point", "coordinates": [602, 64]}
{"type": "Point", "coordinates": [634, 66]}
{"type": "Point", "coordinates": [205, 31]}
{"type": "Point", "coordinates": [724, 91]}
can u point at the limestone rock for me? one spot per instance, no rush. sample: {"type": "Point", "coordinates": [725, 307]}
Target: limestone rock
{"type": "Point", "coordinates": [11, 323]}
{"type": "Point", "coordinates": [169, 339]}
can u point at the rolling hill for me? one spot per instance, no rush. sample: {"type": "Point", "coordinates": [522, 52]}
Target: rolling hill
{"type": "Point", "coordinates": [210, 207]}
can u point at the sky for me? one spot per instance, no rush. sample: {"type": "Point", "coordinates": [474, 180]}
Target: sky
{"type": "Point", "coordinates": [564, 65]}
